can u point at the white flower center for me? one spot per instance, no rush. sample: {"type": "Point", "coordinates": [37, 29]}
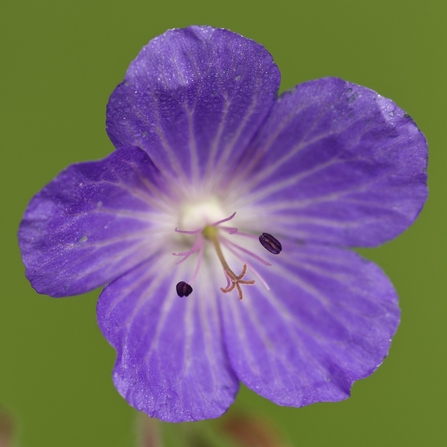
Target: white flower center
{"type": "Point", "coordinates": [196, 215]}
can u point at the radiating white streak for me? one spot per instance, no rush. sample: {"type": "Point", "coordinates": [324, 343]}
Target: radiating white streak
{"type": "Point", "coordinates": [144, 235]}
{"type": "Point", "coordinates": [126, 261]}
{"type": "Point", "coordinates": [251, 163]}
{"type": "Point", "coordinates": [193, 148]}
{"type": "Point", "coordinates": [264, 193]}
{"type": "Point", "coordinates": [157, 129]}
{"type": "Point", "coordinates": [189, 112]}
{"type": "Point", "coordinates": [188, 322]}
{"type": "Point", "coordinates": [210, 298]}
{"type": "Point", "coordinates": [211, 176]}
{"type": "Point", "coordinates": [293, 205]}
{"type": "Point", "coordinates": [139, 194]}
{"type": "Point", "coordinates": [151, 217]}
{"type": "Point", "coordinates": [275, 350]}
{"type": "Point", "coordinates": [210, 334]}
{"type": "Point", "coordinates": [292, 323]}
{"type": "Point", "coordinates": [347, 279]}
{"type": "Point", "coordinates": [165, 202]}
{"type": "Point", "coordinates": [231, 246]}
{"type": "Point", "coordinates": [302, 144]}
{"type": "Point", "coordinates": [137, 251]}
{"type": "Point", "coordinates": [304, 263]}
{"type": "Point", "coordinates": [321, 298]}
{"type": "Point", "coordinates": [281, 219]}
{"type": "Point", "coordinates": [130, 290]}
{"type": "Point", "coordinates": [75, 217]}
{"type": "Point", "coordinates": [166, 308]}
{"type": "Point", "coordinates": [172, 158]}
{"type": "Point", "coordinates": [233, 314]}
{"type": "Point", "coordinates": [250, 195]}
{"type": "Point", "coordinates": [210, 168]}
{"type": "Point", "coordinates": [330, 258]}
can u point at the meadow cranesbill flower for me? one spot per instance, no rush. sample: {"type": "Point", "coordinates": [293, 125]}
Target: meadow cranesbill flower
{"type": "Point", "coordinates": [221, 223]}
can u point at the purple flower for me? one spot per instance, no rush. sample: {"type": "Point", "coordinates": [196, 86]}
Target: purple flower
{"type": "Point", "coordinates": [220, 226]}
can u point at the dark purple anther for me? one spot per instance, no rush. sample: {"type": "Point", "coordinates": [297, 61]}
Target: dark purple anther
{"type": "Point", "coordinates": [270, 243]}
{"type": "Point", "coordinates": [183, 289]}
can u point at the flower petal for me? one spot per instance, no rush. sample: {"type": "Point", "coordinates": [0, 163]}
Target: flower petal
{"type": "Point", "coordinates": [193, 99]}
{"type": "Point", "coordinates": [337, 163]}
{"type": "Point", "coordinates": [326, 322]}
{"type": "Point", "coordinates": [92, 223]}
{"type": "Point", "coordinates": [171, 362]}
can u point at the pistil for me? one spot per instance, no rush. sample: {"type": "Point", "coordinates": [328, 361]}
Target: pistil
{"type": "Point", "coordinates": [233, 281]}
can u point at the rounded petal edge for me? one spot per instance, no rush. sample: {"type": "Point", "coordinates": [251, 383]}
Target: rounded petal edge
{"type": "Point", "coordinates": [339, 164]}
{"type": "Point", "coordinates": [326, 322]}
{"type": "Point", "coordinates": [90, 224]}
{"type": "Point", "coordinates": [193, 99]}
{"type": "Point", "coordinates": [171, 362]}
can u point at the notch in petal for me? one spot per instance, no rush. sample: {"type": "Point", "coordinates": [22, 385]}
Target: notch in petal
{"type": "Point", "coordinates": [193, 99]}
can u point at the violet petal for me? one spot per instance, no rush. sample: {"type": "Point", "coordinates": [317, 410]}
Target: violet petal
{"type": "Point", "coordinates": [90, 224]}
{"type": "Point", "coordinates": [337, 163]}
{"type": "Point", "coordinates": [327, 321]}
{"type": "Point", "coordinates": [171, 361]}
{"type": "Point", "coordinates": [193, 99]}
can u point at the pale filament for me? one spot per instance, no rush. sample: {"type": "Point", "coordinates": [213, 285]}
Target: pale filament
{"type": "Point", "coordinates": [227, 243]}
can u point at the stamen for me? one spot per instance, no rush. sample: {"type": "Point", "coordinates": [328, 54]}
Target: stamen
{"type": "Point", "coordinates": [199, 262]}
{"type": "Point", "coordinates": [239, 233]}
{"type": "Point", "coordinates": [235, 281]}
{"type": "Point", "coordinates": [229, 230]}
{"type": "Point", "coordinates": [223, 220]}
{"type": "Point", "coordinates": [270, 243]}
{"type": "Point", "coordinates": [183, 289]}
{"type": "Point", "coordinates": [188, 232]}
{"type": "Point", "coordinates": [247, 252]}
{"type": "Point", "coordinates": [198, 245]}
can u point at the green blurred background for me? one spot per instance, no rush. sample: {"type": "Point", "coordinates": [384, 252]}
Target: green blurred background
{"type": "Point", "coordinates": [61, 59]}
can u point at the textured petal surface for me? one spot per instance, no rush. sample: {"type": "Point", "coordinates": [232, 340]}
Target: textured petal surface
{"type": "Point", "coordinates": [327, 321]}
{"type": "Point", "coordinates": [337, 163]}
{"type": "Point", "coordinates": [171, 361]}
{"type": "Point", "coordinates": [193, 99]}
{"type": "Point", "coordinates": [90, 224]}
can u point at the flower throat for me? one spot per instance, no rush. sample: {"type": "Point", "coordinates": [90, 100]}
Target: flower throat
{"type": "Point", "coordinates": [217, 234]}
